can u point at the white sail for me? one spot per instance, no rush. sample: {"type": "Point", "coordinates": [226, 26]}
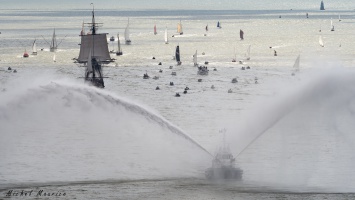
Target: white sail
{"type": "Point", "coordinates": [296, 66]}
{"type": "Point", "coordinates": [195, 59]}
{"type": "Point", "coordinates": [118, 44]}
{"type": "Point", "coordinates": [166, 36]}
{"type": "Point", "coordinates": [331, 22]}
{"type": "Point", "coordinates": [179, 28]}
{"type": "Point", "coordinates": [321, 41]}
{"type": "Point", "coordinates": [54, 58]}
{"type": "Point", "coordinates": [339, 18]}
{"type": "Point", "coordinates": [126, 33]}
{"type": "Point", "coordinates": [248, 53]}
{"type": "Point", "coordinates": [34, 48]}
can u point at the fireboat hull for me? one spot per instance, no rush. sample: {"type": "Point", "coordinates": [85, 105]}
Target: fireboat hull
{"type": "Point", "coordinates": [224, 173]}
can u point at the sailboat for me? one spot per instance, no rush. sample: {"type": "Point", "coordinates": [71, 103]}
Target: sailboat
{"type": "Point", "coordinates": [155, 29]}
{"type": "Point", "coordinates": [25, 55]}
{"type": "Point", "coordinates": [54, 60]}
{"type": "Point", "coordinates": [241, 34]}
{"type": "Point", "coordinates": [322, 6]}
{"type": "Point", "coordinates": [219, 25]}
{"type": "Point", "coordinates": [53, 46]}
{"type": "Point", "coordinates": [206, 28]}
{"type": "Point", "coordinates": [177, 55]}
{"type": "Point", "coordinates": [119, 50]}
{"type": "Point", "coordinates": [235, 56]}
{"type": "Point", "coordinates": [339, 19]}
{"type": "Point", "coordinates": [94, 52]}
{"type": "Point", "coordinates": [331, 25]}
{"type": "Point", "coordinates": [34, 48]}
{"type": "Point", "coordinates": [179, 28]}
{"type": "Point", "coordinates": [166, 36]}
{"type": "Point", "coordinates": [321, 41]}
{"type": "Point", "coordinates": [248, 53]}
{"type": "Point", "coordinates": [195, 59]}
{"type": "Point", "coordinates": [82, 32]}
{"type": "Point", "coordinates": [126, 34]}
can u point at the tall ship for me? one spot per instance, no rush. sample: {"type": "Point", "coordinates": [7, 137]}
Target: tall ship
{"type": "Point", "coordinates": [94, 53]}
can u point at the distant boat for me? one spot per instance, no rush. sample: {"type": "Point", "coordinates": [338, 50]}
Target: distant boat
{"type": "Point", "coordinates": [25, 55]}
{"type": "Point", "coordinates": [306, 15]}
{"type": "Point", "coordinates": [331, 25]}
{"type": "Point", "coordinates": [126, 34]}
{"type": "Point", "coordinates": [241, 34]}
{"type": "Point", "coordinates": [119, 50]}
{"type": "Point", "coordinates": [54, 60]}
{"type": "Point", "coordinates": [155, 29]}
{"type": "Point", "coordinates": [179, 28]}
{"type": "Point", "coordinates": [321, 41]}
{"type": "Point", "coordinates": [195, 59]}
{"type": "Point", "coordinates": [322, 6]}
{"type": "Point", "coordinates": [235, 56]}
{"type": "Point", "coordinates": [296, 66]}
{"type": "Point", "coordinates": [248, 53]}
{"type": "Point", "coordinates": [82, 32]}
{"type": "Point", "coordinates": [177, 55]}
{"type": "Point", "coordinates": [54, 44]}
{"type": "Point", "coordinates": [112, 38]}
{"type": "Point", "coordinates": [166, 36]}
{"type": "Point", "coordinates": [219, 25]}
{"type": "Point", "coordinates": [206, 27]}
{"type": "Point", "coordinates": [339, 19]}
{"type": "Point", "coordinates": [34, 48]}
{"type": "Point", "coordinates": [202, 70]}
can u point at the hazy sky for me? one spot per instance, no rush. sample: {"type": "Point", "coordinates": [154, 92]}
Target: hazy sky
{"type": "Point", "coordinates": [180, 4]}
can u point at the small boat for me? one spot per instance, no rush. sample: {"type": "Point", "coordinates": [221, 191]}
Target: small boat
{"type": "Point", "coordinates": [25, 55]}
{"type": "Point", "coordinates": [339, 19]}
{"type": "Point", "coordinates": [54, 58]}
{"type": "Point", "coordinates": [166, 36]}
{"type": "Point", "coordinates": [195, 59]}
{"type": "Point", "coordinates": [34, 48]}
{"type": "Point", "coordinates": [243, 68]}
{"type": "Point", "coordinates": [145, 76]}
{"type": "Point", "coordinates": [160, 71]}
{"type": "Point", "coordinates": [247, 55]}
{"type": "Point", "coordinates": [185, 91]}
{"type": "Point", "coordinates": [206, 62]}
{"type": "Point", "coordinates": [112, 39]}
{"type": "Point", "coordinates": [15, 71]}
{"type": "Point", "coordinates": [155, 30]}
{"type": "Point", "coordinates": [156, 77]}
{"type": "Point", "coordinates": [321, 41]}
{"type": "Point", "coordinates": [241, 34]}
{"type": "Point", "coordinates": [126, 34]}
{"type": "Point", "coordinates": [223, 165]}
{"type": "Point", "coordinates": [173, 73]}
{"type": "Point", "coordinates": [157, 88]}
{"type": "Point", "coordinates": [214, 69]}
{"type": "Point", "coordinates": [54, 45]}
{"type": "Point", "coordinates": [177, 95]}
{"type": "Point", "coordinates": [187, 88]}
{"type": "Point", "coordinates": [171, 83]}
{"type": "Point", "coordinates": [9, 68]}
{"type": "Point", "coordinates": [230, 91]}
{"type": "Point", "coordinates": [177, 55]}
{"type": "Point", "coordinates": [219, 25]}
{"type": "Point", "coordinates": [119, 50]}
{"type": "Point", "coordinates": [213, 87]}
{"type": "Point", "coordinates": [241, 62]}
{"type": "Point", "coordinates": [202, 70]}
{"type": "Point", "coordinates": [234, 80]}
{"type": "Point", "coordinates": [235, 56]}
{"type": "Point", "coordinates": [179, 28]}
{"type": "Point", "coordinates": [199, 80]}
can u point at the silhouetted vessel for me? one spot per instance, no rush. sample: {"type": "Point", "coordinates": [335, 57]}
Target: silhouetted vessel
{"type": "Point", "coordinates": [223, 166]}
{"type": "Point", "coordinates": [94, 53]}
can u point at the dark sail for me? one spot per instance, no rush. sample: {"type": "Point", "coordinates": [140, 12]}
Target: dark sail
{"type": "Point", "coordinates": [177, 54]}
{"type": "Point", "coordinates": [98, 43]}
{"type": "Point", "coordinates": [322, 6]}
{"type": "Point", "coordinates": [241, 34]}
